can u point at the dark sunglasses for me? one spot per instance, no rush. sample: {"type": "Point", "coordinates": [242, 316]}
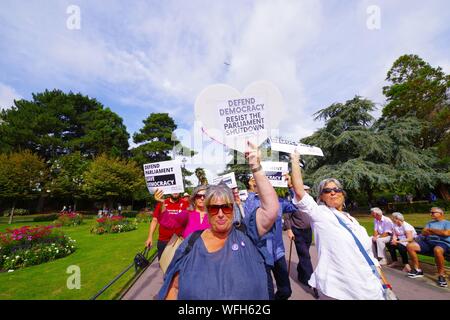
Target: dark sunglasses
{"type": "Point", "coordinates": [227, 208]}
{"type": "Point", "coordinates": [433, 212]}
{"type": "Point", "coordinates": [329, 190]}
{"type": "Point", "coordinates": [199, 196]}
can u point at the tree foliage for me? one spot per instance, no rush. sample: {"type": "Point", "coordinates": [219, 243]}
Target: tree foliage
{"type": "Point", "coordinates": [110, 178]}
{"type": "Point", "coordinates": [55, 123]}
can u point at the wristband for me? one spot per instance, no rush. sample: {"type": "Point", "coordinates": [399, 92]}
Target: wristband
{"type": "Point", "coordinates": [259, 168]}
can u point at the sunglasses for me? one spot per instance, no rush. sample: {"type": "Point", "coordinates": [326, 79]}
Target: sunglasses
{"type": "Point", "coordinates": [433, 212]}
{"type": "Point", "coordinates": [329, 190]}
{"type": "Point", "coordinates": [199, 196]}
{"type": "Point", "coordinates": [227, 208]}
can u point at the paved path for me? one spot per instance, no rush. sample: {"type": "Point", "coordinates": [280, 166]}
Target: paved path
{"type": "Point", "coordinates": [148, 285]}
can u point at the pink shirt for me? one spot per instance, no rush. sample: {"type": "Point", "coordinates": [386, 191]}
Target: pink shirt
{"type": "Point", "coordinates": [191, 220]}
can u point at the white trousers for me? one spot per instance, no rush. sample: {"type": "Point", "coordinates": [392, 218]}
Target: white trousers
{"type": "Point", "coordinates": [379, 246]}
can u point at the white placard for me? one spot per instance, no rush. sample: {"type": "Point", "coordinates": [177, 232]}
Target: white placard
{"type": "Point", "coordinates": [290, 146]}
{"type": "Point", "coordinates": [229, 179]}
{"type": "Point", "coordinates": [165, 175]}
{"type": "Point", "coordinates": [243, 195]}
{"type": "Point", "coordinates": [233, 118]}
{"type": "Point", "coordinates": [274, 172]}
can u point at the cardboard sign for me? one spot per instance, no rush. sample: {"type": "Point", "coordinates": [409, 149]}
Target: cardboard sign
{"type": "Point", "coordinates": [229, 179]}
{"type": "Point", "coordinates": [289, 146]}
{"type": "Point", "coordinates": [243, 195]}
{"type": "Point", "coordinates": [232, 118]}
{"type": "Point", "coordinates": [274, 172]}
{"type": "Point", "coordinates": [165, 175]}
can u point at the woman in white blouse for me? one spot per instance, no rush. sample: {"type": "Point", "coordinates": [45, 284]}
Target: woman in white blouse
{"type": "Point", "coordinates": [342, 271]}
{"type": "Point", "coordinates": [404, 233]}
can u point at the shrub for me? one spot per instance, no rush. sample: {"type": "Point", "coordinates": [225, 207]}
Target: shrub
{"type": "Point", "coordinates": [114, 224]}
{"type": "Point", "coordinates": [129, 214]}
{"type": "Point", "coordinates": [69, 219]}
{"type": "Point", "coordinates": [29, 246]}
{"type": "Point", "coordinates": [48, 217]}
{"type": "Point", "coordinates": [143, 216]}
{"type": "Point", "coordinates": [17, 212]}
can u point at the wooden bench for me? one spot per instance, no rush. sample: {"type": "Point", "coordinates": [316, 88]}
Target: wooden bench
{"type": "Point", "coordinates": [446, 256]}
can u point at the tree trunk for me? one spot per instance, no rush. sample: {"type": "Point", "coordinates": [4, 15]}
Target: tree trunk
{"type": "Point", "coordinates": [12, 212]}
{"type": "Point", "coordinates": [443, 190]}
{"type": "Point", "coordinates": [370, 197]}
{"type": "Point", "coordinates": [40, 204]}
{"type": "Point", "coordinates": [74, 205]}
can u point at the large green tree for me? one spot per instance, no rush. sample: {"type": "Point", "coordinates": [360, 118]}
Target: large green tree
{"type": "Point", "coordinates": [67, 174]}
{"type": "Point", "coordinates": [22, 176]}
{"type": "Point", "coordinates": [157, 141]}
{"type": "Point", "coordinates": [416, 89]}
{"type": "Point", "coordinates": [55, 123]}
{"type": "Point", "coordinates": [111, 179]}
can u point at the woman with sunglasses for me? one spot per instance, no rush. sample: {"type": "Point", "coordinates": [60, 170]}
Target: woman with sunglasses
{"type": "Point", "coordinates": [194, 218]}
{"type": "Point", "coordinates": [342, 271]}
{"type": "Point", "coordinates": [224, 262]}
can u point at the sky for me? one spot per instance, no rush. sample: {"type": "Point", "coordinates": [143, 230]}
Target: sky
{"type": "Point", "coordinates": [139, 57]}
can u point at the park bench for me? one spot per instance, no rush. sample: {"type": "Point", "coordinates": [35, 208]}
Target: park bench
{"type": "Point", "coordinates": [447, 255]}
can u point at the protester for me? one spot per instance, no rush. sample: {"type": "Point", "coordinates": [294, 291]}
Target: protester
{"type": "Point", "coordinates": [173, 206]}
{"type": "Point", "coordinates": [382, 233]}
{"type": "Point", "coordinates": [272, 246]}
{"type": "Point", "coordinates": [434, 238]}
{"type": "Point", "coordinates": [403, 233]}
{"type": "Point", "coordinates": [299, 230]}
{"type": "Point", "coordinates": [226, 255]}
{"type": "Point", "coordinates": [238, 210]}
{"type": "Point", "coordinates": [186, 197]}
{"type": "Point", "coordinates": [342, 271]}
{"type": "Point", "coordinates": [194, 218]}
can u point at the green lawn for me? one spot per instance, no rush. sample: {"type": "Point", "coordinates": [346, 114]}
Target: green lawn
{"type": "Point", "coordinates": [100, 258]}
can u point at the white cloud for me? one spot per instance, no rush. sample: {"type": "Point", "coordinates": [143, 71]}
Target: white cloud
{"type": "Point", "coordinates": [7, 96]}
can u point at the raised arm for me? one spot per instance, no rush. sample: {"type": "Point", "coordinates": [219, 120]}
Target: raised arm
{"type": "Point", "coordinates": [267, 213]}
{"type": "Point", "coordinates": [297, 180]}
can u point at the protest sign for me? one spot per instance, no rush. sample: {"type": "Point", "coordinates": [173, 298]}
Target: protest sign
{"type": "Point", "coordinates": [290, 146]}
{"type": "Point", "coordinates": [243, 195]}
{"type": "Point", "coordinates": [232, 118]}
{"type": "Point", "coordinates": [229, 179]}
{"type": "Point", "coordinates": [274, 172]}
{"type": "Point", "coordinates": [165, 175]}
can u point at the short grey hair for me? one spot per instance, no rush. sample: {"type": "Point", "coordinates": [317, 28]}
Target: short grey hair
{"type": "Point", "coordinates": [322, 185]}
{"type": "Point", "coordinates": [194, 193]}
{"type": "Point", "coordinates": [398, 216]}
{"type": "Point", "coordinates": [219, 191]}
{"type": "Point", "coordinates": [376, 210]}
{"type": "Point", "coordinates": [438, 209]}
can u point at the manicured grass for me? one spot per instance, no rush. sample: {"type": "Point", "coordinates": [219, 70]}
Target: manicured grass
{"type": "Point", "coordinates": [100, 258]}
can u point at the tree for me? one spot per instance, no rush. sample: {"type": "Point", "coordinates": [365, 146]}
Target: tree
{"type": "Point", "coordinates": [67, 177]}
{"type": "Point", "coordinates": [55, 123]}
{"type": "Point", "coordinates": [109, 178]}
{"type": "Point", "coordinates": [419, 90]}
{"type": "Point", "coordinates": [186, 173]}
{"type": "Point", "coordinates": [22, 176]}
{"type": "Point", "coordinates": [158, 141]}
{"type": "Point", "coordinates": [201, 176]}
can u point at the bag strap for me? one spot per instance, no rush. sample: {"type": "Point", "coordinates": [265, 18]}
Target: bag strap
{"type": "Point", "coordinates": [360, 247]}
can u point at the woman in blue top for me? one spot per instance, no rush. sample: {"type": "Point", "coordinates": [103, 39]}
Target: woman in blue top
{"type": "Point", "coordinates": [224, 262]}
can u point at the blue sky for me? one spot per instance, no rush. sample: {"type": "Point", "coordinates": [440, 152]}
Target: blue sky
{"type": "Point", "coordinates": [138, 57]}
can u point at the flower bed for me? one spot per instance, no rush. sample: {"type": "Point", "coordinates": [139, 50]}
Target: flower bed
{"type": "Point", "coordinates": [29, 246]}
{"type": "Point", "coordinates": [144, 216]}
{"type": "Point", "coordinates": [114, 224]}
{"type": "Point", "coordinates": [69, 219]}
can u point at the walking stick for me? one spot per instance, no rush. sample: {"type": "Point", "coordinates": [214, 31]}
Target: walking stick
{"type": "Point", "coordinates": [290, 252]}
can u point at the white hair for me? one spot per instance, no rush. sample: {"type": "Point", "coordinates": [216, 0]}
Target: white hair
{"type": "Point", "coordinates": [398, 215]}
{"type": "Point", "coordinates": [376, 210]}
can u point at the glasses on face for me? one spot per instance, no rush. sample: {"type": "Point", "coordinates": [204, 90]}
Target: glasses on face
{"type": "Point", "coordinates": [433, 212]}
{"type": "Point", "coordinates": [329, 190]}
{"type": "Point", "coordinates": [227, 208]}
{"type": "Point", "coordinates": [199, 196]}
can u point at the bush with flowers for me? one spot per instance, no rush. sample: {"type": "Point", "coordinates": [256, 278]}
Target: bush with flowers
{"type": "Point", "coordinates": [27, 246]}
{"type": "Point", "coordinates": [69, 219]}
{"type": "Point", "coordinates": [114, 224]}
{"type": "Point", "coordinates": [144, 216]}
